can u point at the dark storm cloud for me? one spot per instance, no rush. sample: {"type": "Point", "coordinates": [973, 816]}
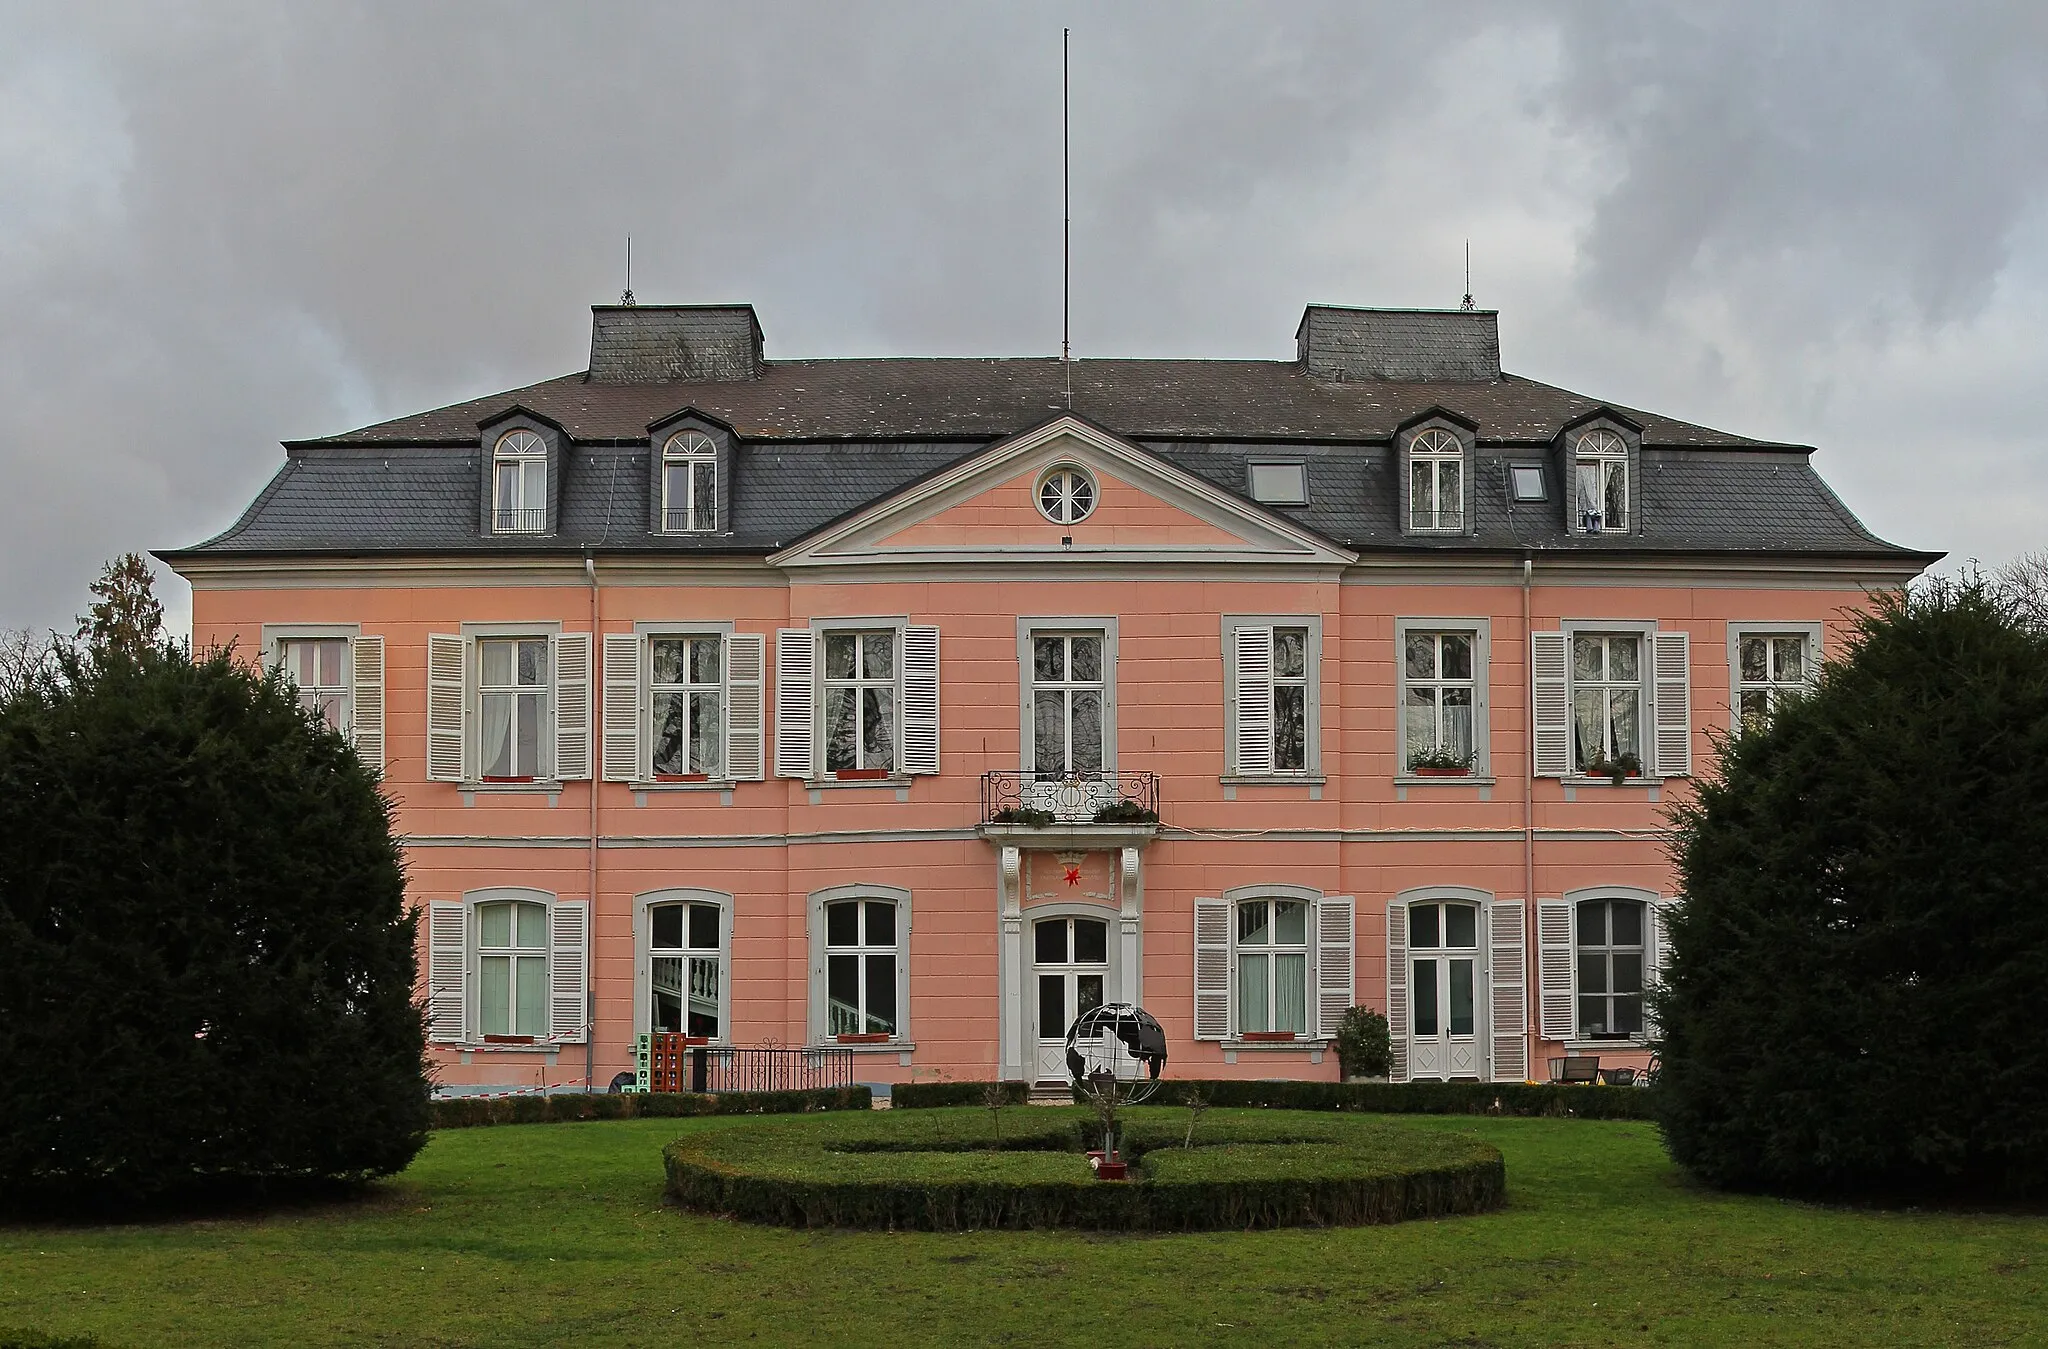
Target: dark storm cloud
{"type": "Point", "coordinates": [226, 226]}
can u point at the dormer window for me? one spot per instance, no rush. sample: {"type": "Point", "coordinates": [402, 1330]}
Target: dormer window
{"type": "Point", "coordinates": [1436, 482]}
{"type": "Point", "coordinates": [519, 479]}
{"type": "Point", "coordinates": [689, 484]}
{"type": "Point", "coordinates": [1602, 467]}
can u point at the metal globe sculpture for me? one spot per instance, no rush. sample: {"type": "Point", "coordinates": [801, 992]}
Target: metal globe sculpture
{"type": "Point", "coordinates": [1119, 1048]}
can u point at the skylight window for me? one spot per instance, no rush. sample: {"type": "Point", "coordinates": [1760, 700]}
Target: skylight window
{"type": "Point", "coordinates": [1280, 484]}
{"type": "Point", "coordinates": [1527, 482]}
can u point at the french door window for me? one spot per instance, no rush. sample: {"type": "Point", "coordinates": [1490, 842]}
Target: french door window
{"type": "Point", "coordinates": [317, 666]}
{"type": "Point", "coordinates": [688, 715]}
{"type": "Point", "coordinates": [1436, 494]}
{"type": "Point", "coordinates": [1602, 461]}
{"type": "Point", "coordinates": [512, 969]}
{"type": "Point", "coordinates": [1771, 666]}
{"type": "Point", "coordinates": [512, 696]}
{"type": "Point", "coordinates": [519, 475]}
{"type": "Point", "coordinates": [1066, 704]}
{"type": "Point", "coordinates": [1272, 966]}
{"type": "Point", "coordinates": [689, 483]}
{"type": "Point", "coordinates": [1443, 946]}
{"type": "Point", "coordinates": [1072, 956]}
{"type": "Point", "coordinates": [1610, 956]}
{"type": "Point", "coordinates": [1437, 706]}
{"type": "Point", "coordinates": [860, 703]}
{"type": "Point", "coordinates": [860, 967]}
{"type": "Point", "coordinates": [688, 969]}
{"type": "Point", "coordinates": [1607, 699]}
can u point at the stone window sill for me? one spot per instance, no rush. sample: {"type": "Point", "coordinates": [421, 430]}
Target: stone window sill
{"type": "Point", "coordinates": [1260, 1046]}
{"type": "Point", "coordinates": [1273, 780]}
{"type": "Point", "coordinates": [537, 1047]}
{"type": "Point", "coordinates": [538, 787]}
{"type": "Point", "coordinates": [828, 783]}
{"type": "Point", "coordinates": [885, 1047]}
{"type": "Point", "coordinates": [707, 785]}
{"type": "Point", "coordinates": [1432, 780]}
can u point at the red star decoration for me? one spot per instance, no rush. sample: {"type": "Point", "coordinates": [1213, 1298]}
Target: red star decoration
{"type": "Point", "coordinates": [1073, 875]}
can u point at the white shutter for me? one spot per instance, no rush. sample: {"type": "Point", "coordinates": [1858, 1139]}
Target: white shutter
{"type": "Point", "coordinates": [1657, 959]}
{"type": "Point", "coordinates": [572, 706]}
{"type": "Point", "coordinates": [920, 700]}
{"type": "Point", "coordinates": [795, 714]}
{"type": "Point", "coordinates": [1672, 665]}
{"type": "Point", "coordinates": [746, 660]}
{"type": "Point", "coordinates": [1550, 703]}
{"type": "Point", "coordinates": [1336, 967]}
{"type": "Point", "coordinates": [568, 970]}
{"type": "Point", "coordinates": [1554, 973]}
{"type": "Point", "coordinates": [447, 706]}
{"type": "Point", "coordinates": [366, 700]}
{"type": "Point", "coordinates": [1212, 969]}
{"type": "Point", "coordinates": [1254, 656]}
{"type": "Point", "coordinates": [1397, 986]}
{"type": "Point", "coordinates": [622, 707]}
{"type": "Point", "coordinates": [1507, 974]}
{"type": "Point", "coordinates": [447, 962]}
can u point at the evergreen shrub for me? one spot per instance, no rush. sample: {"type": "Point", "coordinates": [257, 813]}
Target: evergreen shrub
{"type": "Point", "coordinates": [462, 1112]}
{"type": "Point", "coordinates": [1853, 1004]}
{"type": "Point", "coordinates": [206, 961]}
{"type": "Point", "coordinates": [1371, 1098]}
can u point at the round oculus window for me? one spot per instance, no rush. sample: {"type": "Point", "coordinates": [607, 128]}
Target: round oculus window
{"type": "Point", "coordinates": [1066, 495]}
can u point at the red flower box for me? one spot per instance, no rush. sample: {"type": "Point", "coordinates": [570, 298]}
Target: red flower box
{"type": "Point", "coordinates": [1267, 1036]}
{"type": "Point", "coordinates": [865, 1038]}
{"type": "Point", "coordinates": [860, 774]}
{"type": "Point", "coordinates": [1441, 772]}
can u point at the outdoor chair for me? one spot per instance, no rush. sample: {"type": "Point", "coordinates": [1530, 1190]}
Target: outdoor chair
{"type": "Point", "coordinates": [1577, 1069]}
{"type": "Point", "coordinates": [1618, 1077]}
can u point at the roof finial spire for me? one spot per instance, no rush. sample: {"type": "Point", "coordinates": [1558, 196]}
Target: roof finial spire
{"type": "Point", "coordinates": [627, 296]}
{"type": "Point", "coordinates": [1467, 305]}
{"type": "Point", "coordinates": [1066, 231]}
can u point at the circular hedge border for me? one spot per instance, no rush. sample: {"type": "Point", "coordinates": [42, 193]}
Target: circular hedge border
{"type": "Point", "coordinates": [948, 1170]}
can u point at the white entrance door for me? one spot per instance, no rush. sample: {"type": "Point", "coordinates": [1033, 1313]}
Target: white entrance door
{"type": "Point", "coordinates": [1443, 991]}
{"type": "Point", "coordinates": [1070, 976]}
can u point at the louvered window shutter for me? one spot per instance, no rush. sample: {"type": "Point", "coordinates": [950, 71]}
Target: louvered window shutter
{"type": "Point", "coordinates": [447, 706]}
{"type": "Point", "coordinates": [1397, 987]}
{"type": "Point", "coordinates": [366, 700]}
{"type": "Point", "coordinates": [1336, 966]}
{"type": "Point", "coordinates": [572, 706]}
{"type": "Point", "coordinates": [1254, 657]}
{"type": "Point", "coordinates": [795, 694]}
{"type": "Point", "coordinates": [1657, 959]}
{"type": "Point", "coordinates": [1507, 960]}
{"type": "Point", "coordinates": [622, 707]}
{"type": "Point", "coordinates": [1212, 969]}
{"type": "Point", "coordinates": [1672, 663]}
{"type": "Point", "coordinates": [1551, 703]}
{"type": "Point", "coordinates": [1554, 974]}
{"type": "Point", "coordinates": [447, 964]}
{"type": "Point", "coordinates": [920, 700]}
{"type": "Point", "coordinates": [568, 970]}
{"type": "Point", "coordinates": [746, 659]}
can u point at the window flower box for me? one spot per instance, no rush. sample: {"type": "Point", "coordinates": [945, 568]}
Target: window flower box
{"type": "Point", "coordinates": [860, 774]}
{"type": "Point", "coordinates": [863, 1038]}
{"type": "Point", "coordinates": [1267, 1036]}
{"type": "Point", "coordinates": [1616, 770]}
{"type": "Point", "coordinates": [1429, 772]}
{"type": "Point", "coordinates": [1440, 763]}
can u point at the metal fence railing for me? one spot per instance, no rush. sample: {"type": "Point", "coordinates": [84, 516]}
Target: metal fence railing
{"type": "Point", "coordinates": [678, 1062]}
{"type": "Point", "coordinates": [1069, 798]}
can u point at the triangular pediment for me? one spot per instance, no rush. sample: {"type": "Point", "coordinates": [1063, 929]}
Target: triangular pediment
{"type": "Point", "coordinates": [986, 509]}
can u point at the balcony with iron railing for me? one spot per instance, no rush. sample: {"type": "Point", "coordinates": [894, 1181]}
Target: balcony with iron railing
{"type": "Point", "coordinates": [522, 520]}
{"type": "Point", "coordinates": [1032, 809]}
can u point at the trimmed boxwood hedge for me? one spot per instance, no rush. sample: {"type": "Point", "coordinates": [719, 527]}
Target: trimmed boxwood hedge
{"type": "Point", "coordinates": [462, 1112]}
{"type": "Point", "coordinates": [1376, 1098]}
{"type": "Point", "coordinates": [927, 1095]}
{"type": "Point", "coordinates": [949, 1170]}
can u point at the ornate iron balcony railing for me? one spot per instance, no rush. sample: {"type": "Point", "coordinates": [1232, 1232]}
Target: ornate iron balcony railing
{"type": "Point", "coordinates": [1024, 796]}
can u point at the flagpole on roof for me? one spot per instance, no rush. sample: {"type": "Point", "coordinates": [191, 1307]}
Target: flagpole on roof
{"type": "Point", "coordinates": [1066, 231]}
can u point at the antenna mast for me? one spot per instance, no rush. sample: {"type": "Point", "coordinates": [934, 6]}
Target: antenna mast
{"type": "Point", "coordinates": [1468, 306]}
{"type": "Point", "coordinates": [627, 297]}
{"type": "Point", "coordinates": [1066, 231]}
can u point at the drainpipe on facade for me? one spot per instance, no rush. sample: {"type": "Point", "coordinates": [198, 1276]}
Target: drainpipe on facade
{"type": "Point", "coordinates": [1532, 996]}
{"type": "Point", "coordinates": [590, 934]}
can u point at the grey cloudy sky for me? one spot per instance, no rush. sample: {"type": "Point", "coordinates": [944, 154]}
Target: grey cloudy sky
{"type": "Point", "coordinates": [225, 225]}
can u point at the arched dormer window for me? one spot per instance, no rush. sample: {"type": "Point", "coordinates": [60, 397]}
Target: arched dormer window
{"type": "Point", "coordinates": [519, 484]}
{"type": "Point", "coordinates": [689, 484]}
{"type": "Point", "coordinates": [1436, 482]}
{"type": "Point", "coordinates": [1600, 463]}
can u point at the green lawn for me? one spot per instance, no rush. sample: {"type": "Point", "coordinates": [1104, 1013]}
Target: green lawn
{"type": "Point", "coordinates": [556, 1233]}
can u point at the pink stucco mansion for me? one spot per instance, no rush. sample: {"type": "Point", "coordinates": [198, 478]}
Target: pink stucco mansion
{"type": "Point", "coordinates": [916, 705]}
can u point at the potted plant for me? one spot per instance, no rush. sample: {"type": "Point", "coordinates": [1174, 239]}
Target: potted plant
{"type": "Point", "coordinates": [1126, 812]}
{"type": "Point", "coordinates": [1036, 819]}
{"type": "Point", "coordinates": [1365, 1047]}
{"type": "Point", "coordinates": [1439, 763]}
{"type": "Point", "coordinates": [1616, 770]}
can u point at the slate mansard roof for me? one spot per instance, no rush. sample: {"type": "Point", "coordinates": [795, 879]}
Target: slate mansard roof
{"type": "Point", "coordinates": [815, 440]}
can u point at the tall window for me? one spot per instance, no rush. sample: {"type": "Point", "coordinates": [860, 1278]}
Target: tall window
{"type": "Point", "coordinates": [318, 666]}
{"type": "Point", "coordinates": [1437, 710]}
{"type": "Point", "coordinates": [1443, 947]}
{"type": "Point", "coordinates": [1436, 488]}
{"type": "Point", "coordinates": [1610, 955]}
{"type": "Point", "coordinates": [1290, 699]}
{"type": "Point", "coordinates": [519, 476]}
{"type": "Point", "coordinates": [860, 967]}
{"type": "Point", "coordinates": [1066, 495]}
{"type": "Point", "coordinates": [688, 711]}
{"type": "Point", "coordinates": [689, 483]}
{"type": "Point", "coordinates": [687, 968]}
{"type": "Point", "coordinates": [1072, 957]}
{"type": "Point", "coordinates": [860, 703]}
{"type": "Point", "coordinates": [512, 969]}
{"type": "Point", "coordinates": [1066, 703]}
{"type": "Point", "coordinates": [1607, 699]}
{"type": "Point", "coordinates": [1771, 667]}
{"type": "Point", "coordinates": [512, 697]}
{"type": "Point", "coordinates": [1272, 966]}
{"type": "Point", "coordinates": [1602, 459]}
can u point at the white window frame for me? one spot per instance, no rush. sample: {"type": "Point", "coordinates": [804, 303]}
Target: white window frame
{"type": "Point", "coordinates": [892, 631]}
{"type": "Point", "coordinates": [1312, 770]}
{"type": "Point", "coordinates": [644, 906]}
{"type": "Point", "coordinates": [690, 450]}
{"type": "Point", "coordinates": [1435, 447]}
{"type": "Point", "coordinates": [1271, 951]}
{"type": "Point", "coordinates": [479, 953]}
{"type": "Point", "coordinates": [1069, 507]}
{"type": "Point", "coordinates": [544, 733]}
{"type": "Point", "coordinates": [519, 448]}
{"type": "Point", "coordinates": [718, 634]}
{"type": "Point", "coordinates": [1645, 632]}
{"type": "Point", "coordinates": [276, 637]}
{"type": "Point", "coordinates": [1607, 450]}
{"type": "Point", "coordinates": [820, 1032]}
{"type": "Point", "coordinates": [1480, 631]}
{"type": "Point", "coordinates": [1318, 1035]}
{"type": "Point", "coordinates": [1738, 631]}
{"type": "Point", "coordinates": [1028, 629]}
